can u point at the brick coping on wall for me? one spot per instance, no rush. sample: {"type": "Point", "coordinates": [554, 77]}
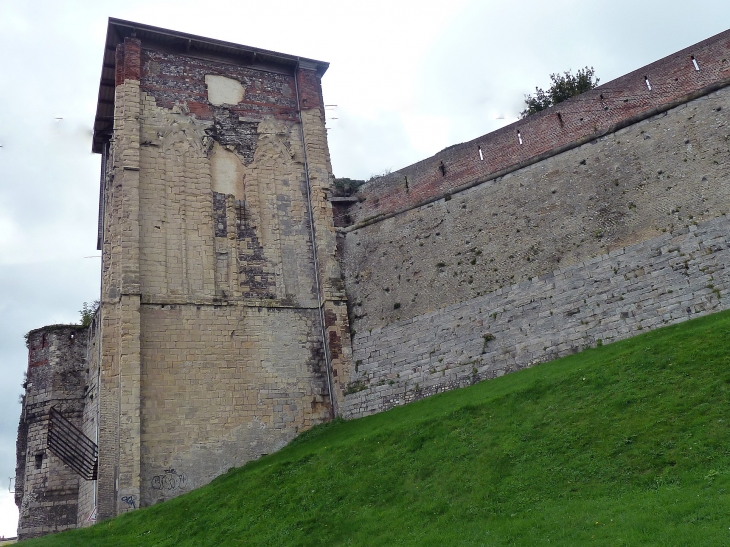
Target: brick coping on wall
{"type": "Point", "coordinates": [653, 89]}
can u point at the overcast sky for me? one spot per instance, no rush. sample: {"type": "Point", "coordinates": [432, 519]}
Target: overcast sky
{"type": "Point", "coordinates": [408, 78]}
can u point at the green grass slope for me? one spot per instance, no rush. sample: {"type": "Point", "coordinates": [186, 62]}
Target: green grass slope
{"type": "Point", "coordinates": [620, 445]}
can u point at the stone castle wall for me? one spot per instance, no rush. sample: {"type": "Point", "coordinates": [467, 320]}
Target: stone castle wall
{"type": "Point", "coordinates": [661, 174]}
{"type": "Point", "coordinates": [664, 280]}
{"type": "Point", "coordinates": [424, 281]}
{"type": "Point", "coordinates": [46, 490]}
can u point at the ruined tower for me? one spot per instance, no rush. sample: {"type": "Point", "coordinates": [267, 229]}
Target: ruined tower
{"type": "Point", "coordinates": [46, 489]}
{"type": "Point", "coordinates": [223, 325]}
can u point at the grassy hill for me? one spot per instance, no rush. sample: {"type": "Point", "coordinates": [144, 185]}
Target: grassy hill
{"type": "Point", "coordinates": [622, 445]}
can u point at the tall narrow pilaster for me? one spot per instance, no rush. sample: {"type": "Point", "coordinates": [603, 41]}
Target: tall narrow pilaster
{"type": "Point", "coordinates": [119, 469]}
{"type": "Point", "coordinates": [331, 285]}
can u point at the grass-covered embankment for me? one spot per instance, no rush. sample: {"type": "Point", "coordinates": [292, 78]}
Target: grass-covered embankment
{"type": "Point", "coordinates": [626, 444]}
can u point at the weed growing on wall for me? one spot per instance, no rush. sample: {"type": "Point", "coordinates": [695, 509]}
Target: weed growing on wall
{"type": "Point", "coordinates": [564, 86]}
{"type": "Point", "coordinates": [87, 312]}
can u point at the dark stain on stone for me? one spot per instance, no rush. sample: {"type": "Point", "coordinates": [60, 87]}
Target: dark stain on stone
{"type": "Point", "coordinates": [219, 214]}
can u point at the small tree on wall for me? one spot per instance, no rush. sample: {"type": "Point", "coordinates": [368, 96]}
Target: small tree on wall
{"type": "Point", "coordinates": [87, 312]}
{"type": "Point", "coordinates": [564, 87]}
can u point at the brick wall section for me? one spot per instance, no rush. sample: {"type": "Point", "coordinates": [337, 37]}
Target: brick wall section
{"type": "Point", "coordinates": [617, 103]}
{"type": "Point", "coordinates": [661, 281]}
{"type": "Point", "coordinates": [47, 489]}
{"type": "Point", "coordinates": [174, 79]}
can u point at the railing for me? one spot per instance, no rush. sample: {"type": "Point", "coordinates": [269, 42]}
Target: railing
{"type": "Point", "coordinates": [69, 443]}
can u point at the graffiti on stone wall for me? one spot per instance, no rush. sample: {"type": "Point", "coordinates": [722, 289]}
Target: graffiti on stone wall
{"type": "Point", "coordinates": [130, 500]}
{"type": "Point", "coordinates": [169, 480]}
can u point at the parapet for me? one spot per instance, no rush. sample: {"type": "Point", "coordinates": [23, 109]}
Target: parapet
{"type": "Point", "coordinates": [685, 75]}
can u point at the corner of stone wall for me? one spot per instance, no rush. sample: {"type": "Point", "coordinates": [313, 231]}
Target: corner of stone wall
{"type": "Point", "coordinates": [119, 389]}
{"type": "Point", "coordinates": [332, 287]}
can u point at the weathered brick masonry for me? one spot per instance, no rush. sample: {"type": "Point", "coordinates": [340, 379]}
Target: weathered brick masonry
{"type": "Point", "coordinates": [649, 90]}
{"type": "Point", "coordinates": [228, 296]}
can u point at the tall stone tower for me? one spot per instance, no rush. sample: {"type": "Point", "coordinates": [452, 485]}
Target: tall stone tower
{"type": "Point", "coordinates": [223, 324]}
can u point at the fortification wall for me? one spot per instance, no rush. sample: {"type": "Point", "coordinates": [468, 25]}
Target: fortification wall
{"type": "Point", "coordinates": [47, 489]}
{"type": "Point", "coordinates": [428, 282]}
{"type": "Point", "coordinates": [665, 280]}
{"type": "Point", "coordinates": [658, 175]}
{"type": "Point", "coordinates": [666, 83]}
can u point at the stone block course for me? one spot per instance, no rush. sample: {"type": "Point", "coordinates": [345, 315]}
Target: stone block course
{"type": "Point", "coordinates": [533, 322]}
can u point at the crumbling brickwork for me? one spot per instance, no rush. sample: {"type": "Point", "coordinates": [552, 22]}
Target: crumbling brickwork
{"type": "Point", "coordinates": [46, 490]}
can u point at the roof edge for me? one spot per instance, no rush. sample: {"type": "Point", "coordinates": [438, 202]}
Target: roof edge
{"type": "Point", "coordinates": [293, 59]}
{"type": "Point", "coordinates": [190, 44]}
